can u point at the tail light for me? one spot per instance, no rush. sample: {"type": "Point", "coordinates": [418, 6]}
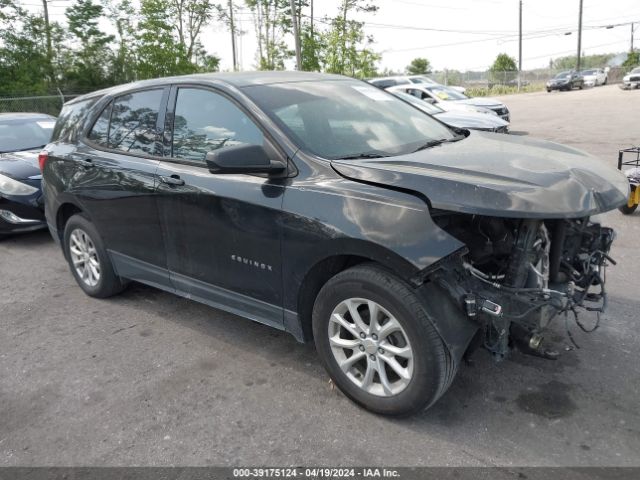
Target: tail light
{"type": "Point", "coordinates": [43, 156]}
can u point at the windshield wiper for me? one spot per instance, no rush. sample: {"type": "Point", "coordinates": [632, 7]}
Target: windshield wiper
{"type": "Point", "coordinates": [362, 155]}
{"type": "Point", "coordinates": [434, 143]}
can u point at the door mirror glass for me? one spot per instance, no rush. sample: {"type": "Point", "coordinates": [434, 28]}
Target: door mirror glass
{"type": "Point", "coordinates": [242, 159]}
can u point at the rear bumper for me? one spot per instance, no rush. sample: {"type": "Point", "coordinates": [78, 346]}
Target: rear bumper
{"type": "Point", "coordinates": [16, 217]}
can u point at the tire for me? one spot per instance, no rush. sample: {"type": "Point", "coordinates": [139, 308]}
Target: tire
{"type": "Point", "coordinates": [99, 279]}
{"type": "Point", "coordinates": [548, 90]}
{"type": "Point", "coordinates": [605, 81]}
{"type": "Point", "coordinates": [427, 373]}
{"type": "Point", "coordinates": [627, 210]}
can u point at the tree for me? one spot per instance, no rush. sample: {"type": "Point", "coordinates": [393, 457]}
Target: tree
{"type": "Point", "coordinates": [419, 66]}
{"type": "Point", "coordinates": [24, 65]}
{"type": "Point", "coordinates": [168, 38]}
{"type": "Point", "coordinates": [189, 17]}
{"type": "Point", "coordinates": [123, 67]}
{"type": "Point", "coordinates": [272, 21]}
{"type": "Point", "coordinates": [346, 48]}
{"type": "Point", "coordinates": [89, 69]}
{"type": "Point", "coordinates": [504, 63]}
{"type": "Point", "coordinates": [633, 60]}
{"type": "Point", "coordinates": [503, 71]}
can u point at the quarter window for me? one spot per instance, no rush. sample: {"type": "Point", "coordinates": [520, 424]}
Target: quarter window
{"type": "Point", "coordinates": [205, 121]}
{"type": "Point", "coordinates": [99, 133]}
{"type": "Point", "coordinates": [133, 122]}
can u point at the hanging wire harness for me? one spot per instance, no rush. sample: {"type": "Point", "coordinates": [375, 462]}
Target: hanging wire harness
{"type": "Point", "coordinates": [516, 276]}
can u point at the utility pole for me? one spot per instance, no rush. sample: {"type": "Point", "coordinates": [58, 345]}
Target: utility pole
{"type": "Point", "coordinates": [579, 37]}
{"type": "Point", "coordinates": [631, 37]}
{"type": "Point", "coordinates": [296, 34]}
{"type": "Point", "coordinates": [311, 19]}
{"type": "Point", "coordinates": [233, 37]}
{"type": "Point", "coordinates": [47, 31]}
{"type": "Point", "coordinates": [520, 48]}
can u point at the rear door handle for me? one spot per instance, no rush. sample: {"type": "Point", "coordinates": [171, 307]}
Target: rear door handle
{"type": "Point", "coordinates": [172, 180]}
{"type": "Point", "coordinates": [87, 162]}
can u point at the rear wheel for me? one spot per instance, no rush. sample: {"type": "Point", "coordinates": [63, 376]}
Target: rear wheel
{"type": "Point", "coordinates": [88, 259]}
{"type": "Point", "coordinates": [377, 344]}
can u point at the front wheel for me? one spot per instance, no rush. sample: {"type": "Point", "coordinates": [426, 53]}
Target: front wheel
{"type": "Point", "coordinates": [627, 210]}
{"type": "Point", "coordinates": [377, 344]}
{"type": "Point", "coordinates": [88, 259]}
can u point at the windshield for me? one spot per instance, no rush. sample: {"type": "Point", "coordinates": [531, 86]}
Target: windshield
{"type": "Point", "coordinates": [346, 118]}
{"type": "Point", "coordinates": [588, 72]}
{"type": "Point", "coordinates": [563, 75]}
{"type": "Point", "coordinates": [635, 70]}
{"type": "Point", "coordinates": [426, 80]}
{"type": "Point", "coordinates": [444, 93]}
{"type": "Point", "coordinates": [25, 134]}
{"type": "Point", "coordinates": [421, 104]}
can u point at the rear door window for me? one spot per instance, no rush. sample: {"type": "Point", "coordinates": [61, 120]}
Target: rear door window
{"type": "Point", "coordinates": [133, 122]}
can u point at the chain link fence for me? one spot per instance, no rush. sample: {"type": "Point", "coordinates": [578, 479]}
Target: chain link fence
{"type": "Point", "coordinates": [50, 104]}
{"type": "Point", "coordinates": [488, 79]}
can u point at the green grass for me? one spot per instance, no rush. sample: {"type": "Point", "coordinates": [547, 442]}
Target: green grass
{"type": "Point", "coordinates": [502, 90]}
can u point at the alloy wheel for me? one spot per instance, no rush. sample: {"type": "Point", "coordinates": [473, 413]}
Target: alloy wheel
{"type": "Point", "coordinates": [84, 257]}
{"type": "Point", "coordinates": [371, 347]}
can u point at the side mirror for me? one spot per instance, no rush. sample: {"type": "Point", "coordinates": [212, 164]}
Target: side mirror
{"type": "Point", "coordinates": [430, 100]}
{"type": "Point", "coordinates": [242, 159]}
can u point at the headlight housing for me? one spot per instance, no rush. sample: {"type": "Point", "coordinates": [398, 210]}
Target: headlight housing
{"type": "Point", "coordinates": [9, 186]}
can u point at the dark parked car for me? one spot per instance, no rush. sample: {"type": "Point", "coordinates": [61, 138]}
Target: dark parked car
{"type": "Point", "coordinates": [325, 207]}
{"type": "Point", "coordinates": [566, 81]}
{"type": "Point", "coordinates": [22, 136]}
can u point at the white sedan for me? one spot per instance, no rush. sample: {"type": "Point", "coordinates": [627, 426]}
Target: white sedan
{"type": "Point", "coordinates": [594, 77]}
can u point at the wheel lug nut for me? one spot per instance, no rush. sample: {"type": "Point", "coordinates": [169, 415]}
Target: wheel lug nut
{"type": "Point", "coordinates": [362, 348]}
{"type": "Point", "coordinates": [362, 335]}
{"type": "Point", "coordinates": [373, 357]}
{"type": "Point", "coordinates": [381, 350]}
{"type": "Point", "coordinates": [374, 336]}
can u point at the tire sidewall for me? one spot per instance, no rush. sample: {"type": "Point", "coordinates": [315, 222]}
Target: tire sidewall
{"type": "Point", "coordinates": [427, 375]}
{"type": "Point", "coordinates": [80, 222]}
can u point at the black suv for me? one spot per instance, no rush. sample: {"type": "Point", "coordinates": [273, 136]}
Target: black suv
{"type": "Point", "coordinates": [323, 206]}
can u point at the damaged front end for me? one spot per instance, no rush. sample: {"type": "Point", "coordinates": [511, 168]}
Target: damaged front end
{"type": "Point", "coordinates": [517, 275]}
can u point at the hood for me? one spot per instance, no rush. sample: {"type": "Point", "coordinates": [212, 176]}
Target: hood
{"type": "Point", "coordinates": [500, 175]}
{"type": "Point", "coordinates": [20, 165]}
{"type": "Point", "coordinates": [486, 102]}
{"type": "Point", "coordinates": [467, 119]}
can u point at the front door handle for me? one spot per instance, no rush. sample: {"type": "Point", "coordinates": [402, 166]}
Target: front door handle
{"type": "Point", "coordinates": [172, 180]}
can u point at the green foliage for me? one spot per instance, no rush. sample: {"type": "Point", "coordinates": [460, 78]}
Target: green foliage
{"type": "Point", "coordinates": [347, 50]}
{"type": "Point", "coordinates": [24, 64]}
{"type": "Point", "coordinates": [419, 66]}
{"type": "Point", "coordinates": [89, 66]}
{"type": "Point", "coordinates": [504, 63]}
{"type": "Point", "coordinates": [502, 90]}
{"type": "Point", "coordinates": [633, 60]}
{"type": "Point", "coordinates": [272, 21]}
{"type": "Point", "coordinates": [586, 61]}
{"type": "Point", "coordinates": [160, 38]}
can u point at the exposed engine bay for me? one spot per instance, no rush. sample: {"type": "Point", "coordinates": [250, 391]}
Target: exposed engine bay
{"type": "Point", "coordinates": [516, 276]}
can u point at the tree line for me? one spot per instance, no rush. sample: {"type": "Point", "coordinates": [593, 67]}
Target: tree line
{"type": "Point", "coordinates": [102, 43]}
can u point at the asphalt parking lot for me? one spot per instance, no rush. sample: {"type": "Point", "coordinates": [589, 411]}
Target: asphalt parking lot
{"type": "Point", "coordinates": [147, 378]}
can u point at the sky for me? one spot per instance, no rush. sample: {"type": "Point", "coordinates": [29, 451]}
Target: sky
{"type": "Point", "coordinates": [456, 34]}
